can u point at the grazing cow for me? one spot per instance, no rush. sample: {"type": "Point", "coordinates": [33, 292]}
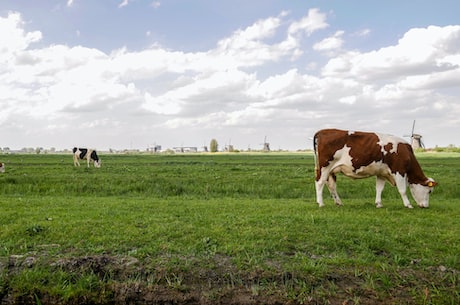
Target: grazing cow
{"type": "Point", "coordinates": [2, 167]}
{"type": "Point", "coordinates": [364, 154]}
{"type": "Point", "coordinates": [85, 153]}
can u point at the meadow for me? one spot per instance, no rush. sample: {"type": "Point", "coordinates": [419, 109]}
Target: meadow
{"type": "Point", "coordinates": [220, 229]}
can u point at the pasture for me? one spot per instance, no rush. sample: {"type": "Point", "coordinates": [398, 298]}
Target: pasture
{"type": "Point", "coordinates": [220, 229]}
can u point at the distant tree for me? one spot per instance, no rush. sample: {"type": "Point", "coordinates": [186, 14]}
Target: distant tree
{"type": "Point", "coordinates": [213, 145]}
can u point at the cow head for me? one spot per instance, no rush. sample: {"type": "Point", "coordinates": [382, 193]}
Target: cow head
{"type": "Point", "coordinates": [421, 192]}
{"type": "Point", "coordinates": [97, 163]}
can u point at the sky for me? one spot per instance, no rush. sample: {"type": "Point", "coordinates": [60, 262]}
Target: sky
{"type": "Point", "coordinates": [131, 74]}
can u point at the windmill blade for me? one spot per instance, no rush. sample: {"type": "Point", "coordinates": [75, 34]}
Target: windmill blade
{"type": "Point", "coordinates": [413, 127]}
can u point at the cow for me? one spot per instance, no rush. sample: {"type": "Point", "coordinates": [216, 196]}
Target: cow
{"type": "Point", "coordinates": [85, 153]}
{"type": "Point", "coordinates": [359, 154]}
{"type": "Point", "coordinates": [2, 167]}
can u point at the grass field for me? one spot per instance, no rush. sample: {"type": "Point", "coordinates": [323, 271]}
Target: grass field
{"type": "Point", "coordinates": [220, 229]}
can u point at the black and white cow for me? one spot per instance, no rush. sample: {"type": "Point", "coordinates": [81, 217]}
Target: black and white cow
{"type": "Point", "coordinates": [85, 153]}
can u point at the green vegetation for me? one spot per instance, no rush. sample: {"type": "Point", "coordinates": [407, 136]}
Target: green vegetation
{"type": "Point", "coordinates": [215, 228]}
{"type": "Point", "coordinates": [213, 145]}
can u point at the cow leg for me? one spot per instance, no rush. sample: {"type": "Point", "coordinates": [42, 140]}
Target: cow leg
{"type": "Point", "coordinates": [75, 161]}
{"type": "Point", "coordinates": [332, 186]}
{"type": "Point", "coordinates": [319, 185]}
{"type": "Point", "coordinates": [401, 184]}
{"type": "Point", "coordinates": [379, 185]}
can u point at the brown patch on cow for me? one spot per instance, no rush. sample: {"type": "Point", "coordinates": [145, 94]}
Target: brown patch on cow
{"type": "Point", "coordinates": [399, 160]}
{"type": "Point", "coordinates": [371, 152]}
{"type": "Point", "coordinates": [327, 142]}
{"type": "Point", "coordinates": [388, 147]}
{"type": "Point", "coordinates": [404, 162]}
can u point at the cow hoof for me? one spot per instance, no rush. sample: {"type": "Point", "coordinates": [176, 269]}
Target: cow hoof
{"type": "Point", "coordinates": [409, 207]}
{"type": "Point", "coordinates": [378, 205]}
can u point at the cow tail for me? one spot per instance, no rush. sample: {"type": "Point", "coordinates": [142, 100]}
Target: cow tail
{"type": "Point", "coordinates": [315, 150]}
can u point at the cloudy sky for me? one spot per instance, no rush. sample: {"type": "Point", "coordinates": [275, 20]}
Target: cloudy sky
{"type": "Point", "coordinates": [134, 73]}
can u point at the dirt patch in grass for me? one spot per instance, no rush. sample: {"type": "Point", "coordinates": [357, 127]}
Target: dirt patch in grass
{"type": "Point", "coordinates": [215, 280]}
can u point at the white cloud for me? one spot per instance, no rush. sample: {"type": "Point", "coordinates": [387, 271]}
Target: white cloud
{"type": "Point", "coordinates": [315, 20]}
{"type": "Point", "coordinates": [250, 83]}
{"type": "Point", "coordinates": [13, 37]}
{"type": "Point", "coordinates": [350, 100]}
{"type": "Point", "coordinates": [332, 43]}
{"type": "Point", "coordinates": [123, 3]}
{"type": "Point", "coordinates": [247, 47]}
{"type": "Point", "coordinates": [362, 33]}
{"type": "Point", "coordinates": [420, 51]}
{"type": "Point", "coordinates": [162, 105]}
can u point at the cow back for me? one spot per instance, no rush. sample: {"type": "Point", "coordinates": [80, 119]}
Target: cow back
{"type": "Point", "coordinates": [83, 152]}
{"type": "Point", "coordinates": [364, 147]}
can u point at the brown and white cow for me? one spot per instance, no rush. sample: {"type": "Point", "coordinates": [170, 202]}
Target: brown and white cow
{"type": "Point", "coordinates": [363, 154]}
{"type": "Point", "coordinates": [85, 153]}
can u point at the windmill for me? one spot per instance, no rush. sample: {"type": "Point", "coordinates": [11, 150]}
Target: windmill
{"type": "Point", "coordinates": [266, 145]}
{"type": "Point", "coordinates": [416, 139]}
{"type": "Point", "coordinates": [229, 147]}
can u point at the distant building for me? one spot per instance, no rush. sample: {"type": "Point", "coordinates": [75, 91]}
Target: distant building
{"type": "Point", "coordinates": [185, 149]}
{"type": "Point", "coordinates": [154, 149]}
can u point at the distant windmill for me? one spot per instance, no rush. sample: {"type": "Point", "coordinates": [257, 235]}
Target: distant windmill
{"type": "Point", "coordinates": [266, 145]}
{"type": "Point", "coordinates": [229, 147]}
{"type": "Point", "coordinates": [416, 139]}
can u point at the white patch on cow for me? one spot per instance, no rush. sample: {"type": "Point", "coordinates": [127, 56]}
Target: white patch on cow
{"type": "Point", "coordinates": [376, 168]}
{"type": "Point", "coordinates": [341, 161]}
{"type": "Point", "coordinates": [384, 139]}
{"type": "Point", "coordinates": [350, 132]}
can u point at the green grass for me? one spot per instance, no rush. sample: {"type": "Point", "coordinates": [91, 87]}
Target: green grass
{"type": "Point", "coordinates": [216, 226]}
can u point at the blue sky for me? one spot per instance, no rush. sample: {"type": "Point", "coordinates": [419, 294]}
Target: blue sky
{"type": "Point", "coordinates": [130, 74]}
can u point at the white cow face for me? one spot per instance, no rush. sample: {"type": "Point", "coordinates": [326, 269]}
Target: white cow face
{"type": "Point", "coordinates": [421, 193]}
{"type": "Point", "coordinates": [97, 164]}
